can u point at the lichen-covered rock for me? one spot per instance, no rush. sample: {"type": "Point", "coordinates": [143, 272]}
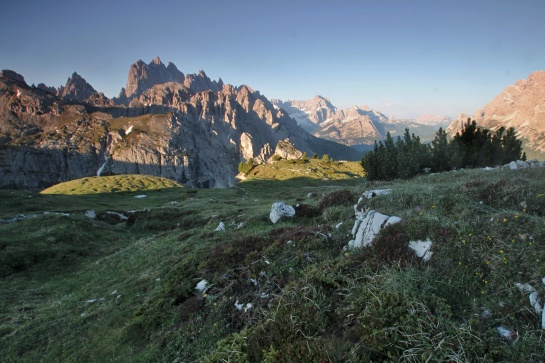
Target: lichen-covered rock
{"type": "Point", "coordinates": [281, 210]}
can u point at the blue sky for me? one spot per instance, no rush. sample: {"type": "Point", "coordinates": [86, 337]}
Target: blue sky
{"type": "Point", "coordinates": [404, 58]}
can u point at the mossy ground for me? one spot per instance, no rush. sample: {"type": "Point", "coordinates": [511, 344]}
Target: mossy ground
{"type": "Point", "coordinates": [109, 290]}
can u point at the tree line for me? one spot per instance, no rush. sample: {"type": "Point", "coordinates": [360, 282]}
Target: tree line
{"type": "Point", "coordinates": [472, 147]}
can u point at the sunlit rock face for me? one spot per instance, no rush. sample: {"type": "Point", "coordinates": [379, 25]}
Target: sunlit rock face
{"type": "Point", "coordinates": [194, 131]}
{"type": "Point", "coordinates": [521, 106]}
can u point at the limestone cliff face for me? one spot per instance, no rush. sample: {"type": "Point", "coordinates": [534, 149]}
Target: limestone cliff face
{"type": "Point", "coordinates": [143, 76]}
{"type": "Point", "coordinates": [76, 89]}
{"type": "Point", "coordinates": [521, 106]}
{"type": "Point", "coordinates": [195, 137]}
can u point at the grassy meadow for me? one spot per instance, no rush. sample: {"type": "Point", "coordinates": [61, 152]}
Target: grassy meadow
{"type": "Point", "coordinates": [122, 287]}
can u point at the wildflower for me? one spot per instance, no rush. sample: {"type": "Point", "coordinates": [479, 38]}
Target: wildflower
{"type": "Point", "coordinates": [489, 238]}
{"type": "Point", "coordinates": [516, 216]}
{"type": "Point", "coordinates": [471, 234]}
{"type": "Point", "coordinates": [505, 220]}
{"type": "Point", "coordinates": [501, 251]}
{"type": "Point", "coordinates": [433, 206]}
{"type": "Point", "coordinates": [488, 262]}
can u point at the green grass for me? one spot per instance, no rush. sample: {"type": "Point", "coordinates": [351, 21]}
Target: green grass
{"type": "Point", "coordinates": [78, 289]}
{"type": "Point", "coordinates": [309, 168]}
{"type": "Point", "coordinates": [111, 184]}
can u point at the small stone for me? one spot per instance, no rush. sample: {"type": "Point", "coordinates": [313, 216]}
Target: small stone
{"type": "Point", "coordinates": [201, 286]}
{"type": "Point", "coordinates": [90, 213]}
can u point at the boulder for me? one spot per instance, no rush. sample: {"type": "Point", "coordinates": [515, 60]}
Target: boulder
{"type": "Point", "coordinates": [280, 210]}
{"type": "Point", "coordinates": [367, 227]}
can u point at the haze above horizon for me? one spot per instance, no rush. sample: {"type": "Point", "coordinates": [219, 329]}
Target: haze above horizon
{"type": "Point", "coordinates": [399, 57]}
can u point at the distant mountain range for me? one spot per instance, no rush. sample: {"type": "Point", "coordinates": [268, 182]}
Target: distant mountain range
{"type": "Point", "coordinates": [358, 126]}
{"type": "Point", "coordinates": [196, 131]}
{"type": "Point", "coordinates": [184, 127]}
{"type": "Point", "coordinates": [521, 106]}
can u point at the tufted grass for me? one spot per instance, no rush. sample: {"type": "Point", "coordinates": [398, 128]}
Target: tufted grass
{"type": "Point", "coordinates": [311, 300]}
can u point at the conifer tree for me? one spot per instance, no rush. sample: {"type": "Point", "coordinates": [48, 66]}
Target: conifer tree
{"type": "Point", "coordinates": [440, 152]}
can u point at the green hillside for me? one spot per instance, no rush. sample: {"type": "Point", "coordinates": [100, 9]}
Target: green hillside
{"type": "Point", "coordinates": [111, 184]}
{"type": "Point", "coordinates": [76, 289]}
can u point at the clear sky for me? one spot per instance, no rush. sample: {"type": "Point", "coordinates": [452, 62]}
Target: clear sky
{"type": "Point", "coordinates": [402, 57]}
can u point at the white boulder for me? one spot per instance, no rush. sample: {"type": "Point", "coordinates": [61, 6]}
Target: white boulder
{"type": "Point", "coordinates": [280, 210]}
{"type": "Point", "coordinates": [368, 225]}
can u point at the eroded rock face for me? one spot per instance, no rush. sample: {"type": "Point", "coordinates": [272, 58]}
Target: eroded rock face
{"type": "Point", "coordinates": [6, 73]}
{"type": "Point", "coordinates": [521, 106]}
{"type": "Point", "coordinates": [168, 130]}
{"type": "Point", "coordinates": [76, 89]}
{"type": "Point", "coordinates": [144, 76]}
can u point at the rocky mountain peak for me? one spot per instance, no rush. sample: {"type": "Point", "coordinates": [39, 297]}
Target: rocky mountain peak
{"type": "Point", "coordinates": [521, 106]}
{"type": "Point", "coordinates": [143, 77]}
{"type": "Point", "coordinates": [76, 89]}
{"type": "Point", "coordinates": [6, 73]}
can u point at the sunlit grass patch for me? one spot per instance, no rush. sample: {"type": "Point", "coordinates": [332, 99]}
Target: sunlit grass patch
{"type": "Point", "coordinates": [112, 184]}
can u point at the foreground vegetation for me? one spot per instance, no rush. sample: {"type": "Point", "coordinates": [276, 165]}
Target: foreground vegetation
{"type": "Point", "coordinates": [79, 289]}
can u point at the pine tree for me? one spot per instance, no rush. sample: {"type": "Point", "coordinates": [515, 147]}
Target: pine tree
{"type": "Point", "coordinates": [439, 152]}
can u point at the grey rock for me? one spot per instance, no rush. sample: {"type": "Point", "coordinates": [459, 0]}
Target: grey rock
{"type": "Point", "coordinates": [90, 213]}
{"type": "Point", "coordinates": [368, 226]}
{"type": "Point", "coordinates": [281, 210]}
{"type": "Point", "coordinates": [76, 89]}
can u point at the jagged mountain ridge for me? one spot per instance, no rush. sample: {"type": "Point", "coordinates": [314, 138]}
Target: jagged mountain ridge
{"type": "Point", "coordinates": [521, 106]}
{"type": "Point", "coordinates": [357, 126]}
{"type": "Point", "coordinates": [170, 130]}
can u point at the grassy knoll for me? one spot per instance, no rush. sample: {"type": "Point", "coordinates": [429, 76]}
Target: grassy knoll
{"type": "Point", "coordinates": [111, 184]}
{"type": "Point", "coordinates": [77, 289]}
{"type": "Point", "coordinates": [308, 168]}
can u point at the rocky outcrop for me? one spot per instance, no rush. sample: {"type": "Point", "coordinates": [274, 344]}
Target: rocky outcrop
{"type": "Point", "coordinates": [200, 82]}
{"type": "Point", "coordinates": [76, 89]}
{"type": "Point", "coordinates": [144, 76]}
{"type": "Point", "coordinates": [521, 106]}
{"type": "Point", "coordinates": [44, 87]}
{"type": "Point", "coordinates": [6, 73]}
{"type": "Point", "coordinates": [368, 225]}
